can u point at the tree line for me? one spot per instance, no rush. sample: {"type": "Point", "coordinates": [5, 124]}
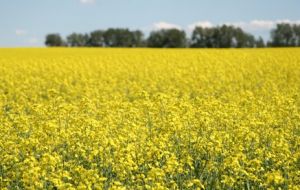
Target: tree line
{"type": "Point", "coordinates": [225, 36]}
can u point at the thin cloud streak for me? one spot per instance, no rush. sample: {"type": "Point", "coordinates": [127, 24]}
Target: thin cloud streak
{"type": "Point", "coordinates": [165, 25]}
{"type": "Point", "coordinates": [20, 32]}
{"type": "Point", "coordinates": [87, 1]}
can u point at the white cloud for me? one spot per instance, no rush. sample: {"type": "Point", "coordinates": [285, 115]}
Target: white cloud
{"type": "Point", "coordinates": [288, 21]}
{"type": "Point", "coordinates": [257, 26]}
{"type": "Point", "coordinates": [204, 24]}
{"type": "Point", "coordinates": [261, 25]}
{"type": "Point", "coordinates": [165, 25]}
{"type": "Point", "coordinates": [87, 1]}
{"type": "Point", "coordinates": [20, 32]}
{"type": "Point", "coordinates": [254, 25]}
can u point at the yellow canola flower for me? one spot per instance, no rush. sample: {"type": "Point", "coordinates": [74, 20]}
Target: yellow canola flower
{"type": "Point", "coordinates": [102, 118]}
{"type": "Point", "coordinates": [274, 177]}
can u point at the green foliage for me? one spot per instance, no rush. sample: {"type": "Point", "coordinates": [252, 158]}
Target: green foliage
{"type": "Point", "coordinates": [296, 29]}
{"type": "Point", "coordinates": [77, 40]}
{"type": "Point", "coordinates": [167, 38]}
{"type": "Point", "coordinates": [283, 35]}
{"type": "Point", "coordinates": [118, 37]}
{"type": "Point", "coordinates": [221, 37]}
{"type": "Point", "coordinates": [54, 40]}
{"type": "Point", "coordinates": [225, 36]}
{"type": "Point", "coordinates": [259, 43]}
{"type": "Point", "coordinates": [96, 38]}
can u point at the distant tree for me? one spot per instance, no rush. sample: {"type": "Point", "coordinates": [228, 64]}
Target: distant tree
{"type": "Point", "coordinates": [77, 40]}
{"type": "Point", "coordinates": [243, 39]}
{"type": "Point", "coordinates": [123, 37]}
{"type": "Point", "coordinates": [167, 38]}
{"type": "Point", "coordinates": [269, 43]}
{"type": "Point", "coordinates": [296, 29]}
{"type": "Point", "coordinates": [221, 37]}
{"type": "Point", "coordinates": [117, 37]}
{"type": "Point", "coordinates": [137, 39]}
{"type": "Point", "coordinates": [225, 37]}
{"type": "Point", "coordinates": [54, 40]}
{"type": "Point", "coordinates": [96, 38]}
{"type": "Point", "coordinates": [156, 39]}
{"type": "Point", "coordinates": [283, 36]}
{"type": "Point", "coordinates": [198, 38]}
{"type": "Point", "coordinates": [259, 43]}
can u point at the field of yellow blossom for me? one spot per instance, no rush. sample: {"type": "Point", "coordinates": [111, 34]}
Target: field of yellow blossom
{"type": "Point", "coordinates": [149, 119]}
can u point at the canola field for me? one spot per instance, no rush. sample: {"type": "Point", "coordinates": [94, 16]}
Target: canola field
{"type": "Point", "coordinates": [149, 119]}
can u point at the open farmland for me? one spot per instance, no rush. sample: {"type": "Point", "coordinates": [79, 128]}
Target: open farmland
{"type": "Point", "coordinates": [149, 119]}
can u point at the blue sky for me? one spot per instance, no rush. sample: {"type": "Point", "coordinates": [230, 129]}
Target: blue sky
{"type": "Point", "coordinates": [26, 22]}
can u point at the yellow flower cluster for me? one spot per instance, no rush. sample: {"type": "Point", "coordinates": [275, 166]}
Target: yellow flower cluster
{"type": "Point", "coordinates": [149, 119]}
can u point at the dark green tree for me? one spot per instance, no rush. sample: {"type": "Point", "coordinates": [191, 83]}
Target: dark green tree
{"type": "Point", "coordinates": [283, 36]}
{"type": "Point", "coordinates": [54, 40]}
{"type": "Point", "coordinates": [296, 29]}
{"type": "Point", "coordinates": [212, 38]}
{"type": "Point", "coordinates": [243, 39]}
{"type": "Point", "coordinates": [117, 37]}
{"type": "Point", "coordinates": [225, 36]}
{"type": "Point", "coordinates": [120, 37]}
{"type": "Point", "coordinates": [199, 38]}
{"type": "Point", "coordinates": [96, 38]}
{"type": "Point", "coordinates": [137, 38]}
{"type": "Point", "coordinates": [221, 37]}
{"type": "Point", "coordinates": [77, 40]}
{"type": "Point", "coordinates": [167, 38]}
{"type": "Point", "coordinates": [259, 43]}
